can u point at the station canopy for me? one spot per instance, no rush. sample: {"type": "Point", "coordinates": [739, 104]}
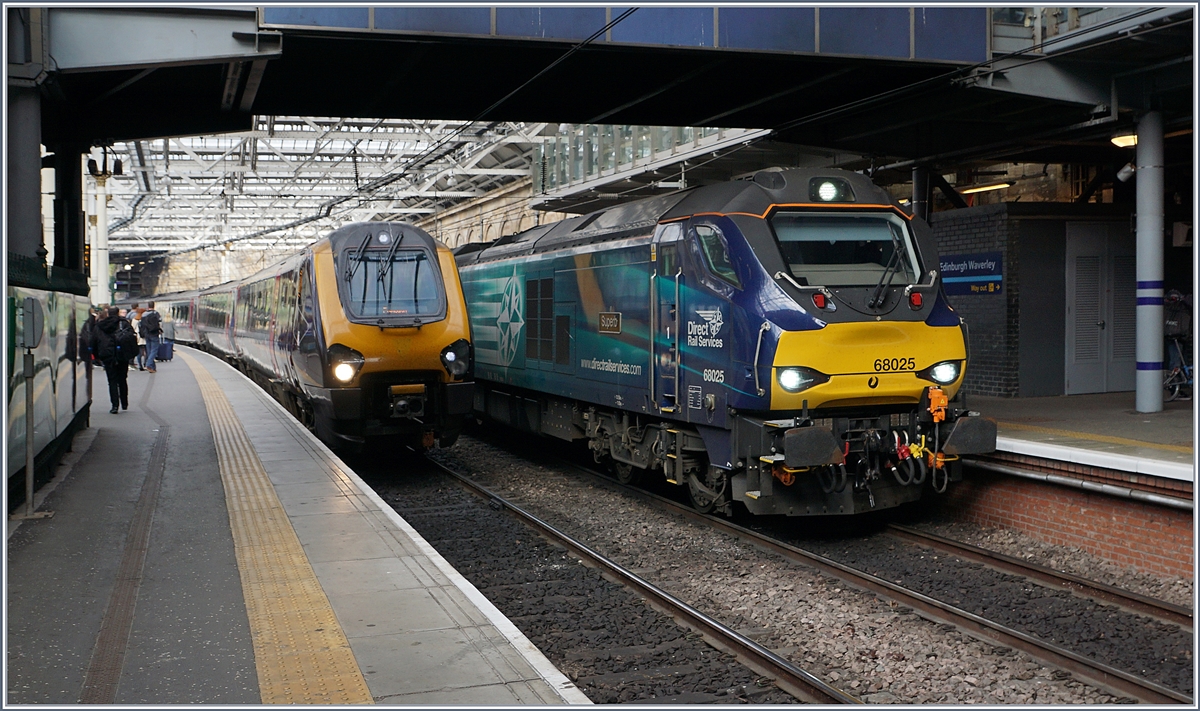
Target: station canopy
{"type": "Point", "coordinates": [293, 179]}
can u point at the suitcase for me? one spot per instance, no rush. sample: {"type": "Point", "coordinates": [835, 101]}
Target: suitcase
{"type": "Point", "coordinates": [166, 350]}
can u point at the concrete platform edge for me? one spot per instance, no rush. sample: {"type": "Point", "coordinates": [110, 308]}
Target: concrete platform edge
{"type": "Point", "coordinates": [543, 666]}
{"type": "Point", "coordinates": [1107, 460]}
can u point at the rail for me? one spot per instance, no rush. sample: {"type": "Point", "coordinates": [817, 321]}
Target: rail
{"type": "Point", "coordinates": [801, 684]}
{"type": "Point", "coordinates": [1176, 614]}
{"type": "Point", "coordinates": [1143, 690]}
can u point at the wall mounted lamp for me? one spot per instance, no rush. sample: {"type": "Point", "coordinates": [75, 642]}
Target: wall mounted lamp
{"type": "Point", "coordinates": [1125, 140]}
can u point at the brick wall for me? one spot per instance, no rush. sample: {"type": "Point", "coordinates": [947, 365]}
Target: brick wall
{"type": "Point", "coordinates": [992, 319]}
{"type": "Point", "coordinates": [1150, 538]}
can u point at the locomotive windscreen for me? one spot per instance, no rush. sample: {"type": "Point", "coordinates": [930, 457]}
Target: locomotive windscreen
{"type": "Point", "coordinates": [846, 249]}
{"type": "Point", "coordinates": [404, 283]}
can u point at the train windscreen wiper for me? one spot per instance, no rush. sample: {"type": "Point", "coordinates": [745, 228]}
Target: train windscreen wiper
{"type": "Point", "coordinates": [386, 267]}
{"type": "Point", "coordinates": [889, 273]}
{"type": "Point", "coordinates": [352, 267]}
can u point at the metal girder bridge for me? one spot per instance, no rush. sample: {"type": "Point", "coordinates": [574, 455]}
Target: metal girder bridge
{"type": "Point", "coordinates": [291, 179]}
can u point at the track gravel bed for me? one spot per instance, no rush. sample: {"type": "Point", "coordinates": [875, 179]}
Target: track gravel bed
{"type": "Point", "coordinates": [1067, 559]}
{"type": "Point", "coordinates": [1135, 643]}
{"type": "Point", "coordinates": [615, 647]}
{"type": "Point", "coordinates": [850, 638]}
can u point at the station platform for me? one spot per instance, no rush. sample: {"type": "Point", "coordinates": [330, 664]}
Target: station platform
{"type": "Point", "coordinates": [206, 548]}
{"type": "Point", "coordinates": [1101, 432]}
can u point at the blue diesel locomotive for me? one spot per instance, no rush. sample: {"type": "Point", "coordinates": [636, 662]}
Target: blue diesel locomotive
{"type": "Point", "coordinates": [781, 342]}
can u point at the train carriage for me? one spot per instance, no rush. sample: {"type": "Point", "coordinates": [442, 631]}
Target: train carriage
{"type": "Point", "coordinates": [363, 335]}
{"type": "Point", "coordinates": [781, 342]}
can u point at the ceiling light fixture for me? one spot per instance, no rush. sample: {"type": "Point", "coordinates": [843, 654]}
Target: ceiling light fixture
{"type": "Point", "coordinates": [985, 188]}
{"type": "Point", "coordinates": [1125, 140]}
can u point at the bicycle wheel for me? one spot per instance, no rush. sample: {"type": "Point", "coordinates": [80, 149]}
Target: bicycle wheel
{"type": "Point", "coordinates": [1171, 384]}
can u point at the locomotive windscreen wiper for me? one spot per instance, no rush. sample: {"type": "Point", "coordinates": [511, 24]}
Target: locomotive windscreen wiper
{"type": "Point", "coordinates": [889, 272]}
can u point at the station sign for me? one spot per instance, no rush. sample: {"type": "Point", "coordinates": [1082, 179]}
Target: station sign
{"type": "Point", "coordinates": [980, 273]}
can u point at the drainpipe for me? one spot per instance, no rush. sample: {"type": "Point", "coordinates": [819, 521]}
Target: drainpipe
{"type": "Point", "coordinates": [920, 196]}
{"type": "Point", "coordinates": [1150, 262]}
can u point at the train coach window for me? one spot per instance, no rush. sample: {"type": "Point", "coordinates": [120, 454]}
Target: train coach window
{"type": "Point", "coordinates": [716, 254]}
{"type": "Point", "coordinates": [845, 249]}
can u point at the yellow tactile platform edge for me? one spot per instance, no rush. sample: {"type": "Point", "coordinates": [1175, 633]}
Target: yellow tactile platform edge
{"type": "Point", "coordinates": [300, 650]}
{"type": "Point", "coordinates": [1108, 439]}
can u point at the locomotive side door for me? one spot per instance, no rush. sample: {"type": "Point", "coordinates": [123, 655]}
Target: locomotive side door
{"type": "Point", "coordinates": [666, 289]}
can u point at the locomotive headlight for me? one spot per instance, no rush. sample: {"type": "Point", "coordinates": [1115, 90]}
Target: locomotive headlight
{"type": "Point", "coordinates": [456, 358]}
{"type": "Point", "coordinates": [942, 373]}
{"type": "Point", "coordinates": [345, 362]}
{"type": "Point", "coordinates": [794, 380]}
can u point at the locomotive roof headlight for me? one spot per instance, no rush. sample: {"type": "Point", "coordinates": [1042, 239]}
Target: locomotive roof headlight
{"type": "Point", "coordinates": [830, 190]}
{"type": "Point", "coordinates": [795, 380]}
{"type": "Point", "coordinates": [942, 373]}
{"type": "Point", "coordinates": [456, 358]}
{"type": "Point", "coordinates": [346, 362]}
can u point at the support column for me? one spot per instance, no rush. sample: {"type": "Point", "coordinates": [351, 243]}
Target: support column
{"type": "Point", "coordinates": [1150, 262]}
{"type": "Point", "coordinates": [103, 293]}
{"type": "Point", "coordinates": [920, 196]}
{"type": "Point", "coordinates": [68, 207]}
{"type": "Point", "coordinates": [24, 165]}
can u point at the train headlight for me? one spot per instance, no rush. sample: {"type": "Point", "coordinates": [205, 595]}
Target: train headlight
{"type": "Point", "coordinates": [830, 190]}
{"type": "Point", "coordinates": [456, 358]}
{"type": "Point", "coordinates": [942, 373]}
{"type": "Point", "coordinates": [346, 362]}
{"type": "Point", "coordinates": [795, 380]}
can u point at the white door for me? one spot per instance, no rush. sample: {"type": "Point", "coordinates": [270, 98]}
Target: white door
{"type": "Point", "coordinates": [1101, 308]}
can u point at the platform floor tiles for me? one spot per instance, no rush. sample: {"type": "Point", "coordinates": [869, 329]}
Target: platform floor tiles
{"type": "Point", "coordinates": [206, 548]}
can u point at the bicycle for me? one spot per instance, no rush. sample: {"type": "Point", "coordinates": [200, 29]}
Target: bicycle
{"type": "Point", "coordinates": [1178, 379]}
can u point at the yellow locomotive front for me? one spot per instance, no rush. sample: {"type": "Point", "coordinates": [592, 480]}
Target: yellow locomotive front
{"type": "Point", "coordinates": [394, 336]}
{"type": "Point", "coordinates": [866, 358]}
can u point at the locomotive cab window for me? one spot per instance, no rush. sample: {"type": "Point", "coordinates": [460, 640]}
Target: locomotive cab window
{"type": "Point", "coordinates": [823, 249]}
{"type": "Point", "coordinates": [716, 254]}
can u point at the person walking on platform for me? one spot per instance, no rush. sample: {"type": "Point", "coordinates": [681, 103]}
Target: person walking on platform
{"type": "Point", "coordinates": [135, 320]}
{"type": "Point", "coordinates": [151, 330]}
{"type": "Point", "coordinates": [115, 344]}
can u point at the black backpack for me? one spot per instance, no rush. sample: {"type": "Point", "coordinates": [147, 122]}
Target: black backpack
{"type": "Point", "coordinates": [1178, 319]}
{"type": "Point", "coordinates": [126, 342]}
{"type": "Point", "coordinates": [151, 324]}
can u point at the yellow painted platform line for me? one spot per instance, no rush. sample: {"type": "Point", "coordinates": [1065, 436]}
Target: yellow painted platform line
{"type": "Point", "coordinates": [300, 651]}
{"type": "Point", "coordinates": [1096, 437]}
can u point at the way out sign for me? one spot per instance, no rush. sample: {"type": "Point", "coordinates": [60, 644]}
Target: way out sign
{"type": "Point", "coordinates": [973, 273]}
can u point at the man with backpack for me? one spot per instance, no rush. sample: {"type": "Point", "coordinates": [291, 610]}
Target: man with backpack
{"type": "Point", "coordinates": [114, 345]}
{"type": "Point", "coordinates": [151, 330]}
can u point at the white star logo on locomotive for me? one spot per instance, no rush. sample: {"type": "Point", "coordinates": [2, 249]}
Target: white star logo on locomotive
{"type": "Point", "coordinates": [510, 321]}
{"type": "Point", "coordinates": [714, 320]}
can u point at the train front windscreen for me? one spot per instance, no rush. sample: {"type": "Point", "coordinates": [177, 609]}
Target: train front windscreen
{"type": "Point", "coordinates": [393, 287]}
{"type": "Point", "coordinates": [846, 250]}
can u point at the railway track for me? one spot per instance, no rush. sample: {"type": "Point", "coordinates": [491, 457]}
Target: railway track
{"type": "Point", "coordinates": [1081, 666]}
{"type": "Point", "coordinates": [787, 676]}
{"type": "Point", "coordinates": [1165, 611]}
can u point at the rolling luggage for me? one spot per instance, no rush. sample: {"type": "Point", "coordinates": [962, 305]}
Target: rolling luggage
{"type": "Point", "coordinates": [166, 350]}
